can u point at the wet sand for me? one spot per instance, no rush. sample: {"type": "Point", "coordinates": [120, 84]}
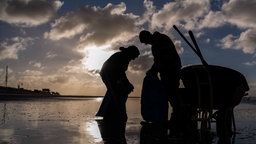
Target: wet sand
{"type": "Point", "coordinates": [73, 121]}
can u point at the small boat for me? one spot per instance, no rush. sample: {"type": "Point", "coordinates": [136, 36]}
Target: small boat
{"type": "Point", "coordinates": [209, 88]}
{"type": "Point", "coordinates": [213, 86]}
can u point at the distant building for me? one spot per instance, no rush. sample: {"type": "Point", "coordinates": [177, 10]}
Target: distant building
{"type": "Point", "coordinates": [46, 90]}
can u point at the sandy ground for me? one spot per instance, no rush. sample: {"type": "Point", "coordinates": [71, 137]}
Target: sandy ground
{"type": "Point", "coordinates": [73, 121]}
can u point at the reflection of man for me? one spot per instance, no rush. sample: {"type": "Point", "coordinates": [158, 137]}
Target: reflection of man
{"type": "Point", "coordinates": [112, 132]}
{"type": "Point", "coordinates": [166, 62]}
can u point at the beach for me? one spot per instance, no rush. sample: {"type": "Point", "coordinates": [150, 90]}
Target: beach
{"type": "Point", "coordinates": [72, 121]}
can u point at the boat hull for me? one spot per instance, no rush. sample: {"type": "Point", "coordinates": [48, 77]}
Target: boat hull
{"type": "Point", "coordinates": [213, 86]}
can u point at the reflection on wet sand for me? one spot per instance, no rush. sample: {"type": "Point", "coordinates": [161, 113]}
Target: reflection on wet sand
{"type": "Point", "coordinates": [73, 122]}
{"type": "Point", "coordinates": [91, 127]}
{"type": "Point", "coordinates": [46, 121]}
{"type": "Point", "coordinates": [112, 132]}
{"type": "Point", "coordinates": [4, 114]}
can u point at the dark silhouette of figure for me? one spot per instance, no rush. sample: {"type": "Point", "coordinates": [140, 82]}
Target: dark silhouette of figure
{"type": "Point", "coordinates": [167, 63]}
{"type": "Point", "coordinates": [154, 111]}
{"type": "Point", "coordinates": [154, 101]}
{"type": "Point", "coordinates": [112, 132]}
{"type": "Point", "coordinates": [153, 133]}
{"type": "Point", "coordinates": [223, 89]}
{"type": "Point", "coordinates": [113, 109]}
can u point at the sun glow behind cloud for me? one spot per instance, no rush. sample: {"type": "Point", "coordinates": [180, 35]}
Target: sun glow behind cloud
{"type": "Point", "coordinates": [96, 56]}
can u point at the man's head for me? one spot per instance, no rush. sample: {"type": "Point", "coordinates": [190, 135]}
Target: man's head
{"type": "Point", "coordinates": [145, 37]}
{"type": "Point", "coordinates": [132, 51]}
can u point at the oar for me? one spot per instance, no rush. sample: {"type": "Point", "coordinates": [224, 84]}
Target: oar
{"type": "Point", "coordinates": [185, 39]}
{"type": "Point", "coordinates": [197, 48]}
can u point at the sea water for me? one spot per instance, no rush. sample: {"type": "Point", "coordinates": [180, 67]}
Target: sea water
{"type": "Point", "coordinates": [72, 121]}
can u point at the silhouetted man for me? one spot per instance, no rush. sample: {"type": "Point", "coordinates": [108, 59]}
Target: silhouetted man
{"type": "Point", "coordinates": [113, 108]}
{"type": "Point", "coordinates": [118, 86]}
{"type": "Point", "coordinates": [167, 63]}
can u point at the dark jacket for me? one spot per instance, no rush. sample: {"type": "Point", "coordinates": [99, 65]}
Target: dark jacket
{"type": "Point", "coordinates": [165, 54]}
{"type": "Point", "coordinates": [113, 72]}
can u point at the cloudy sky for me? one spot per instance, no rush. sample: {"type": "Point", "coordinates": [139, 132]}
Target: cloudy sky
{"type": "Point", "coordinates": [61, 44]}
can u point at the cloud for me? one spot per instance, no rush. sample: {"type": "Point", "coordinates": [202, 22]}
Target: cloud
{"type": "Point", "coordinates": [10, 48]}
{"type": "Point", "coordinates": [95, 25]}
{"type": "Point", "coordinates": [235, 12]}
{"type": "Point", "coordinates": [30, 79]}
{"type": "Point", "coordinates": [198, 15]}
{"type": "Point", "coordinates": [142, 63]}
{"type": "Point", "coordinates": [89, 27]}
{"type": "Point", "coordinates": [250, 63]}
{"type": "Point", "coordinates": [246, 42]}
{"type": "Point", "coordinates": [187, 13]}
{"type": "Point", "coordinates": [102, 28]}
{"type": "Point", "coordinates": [33, 73]}
{"type": "Point", "coordinates": [252, 91]}
{"type": "Point", "coordinates": [36, 64]}
{"type": "Point", "coordinates": [59, 79]}
{"type": "Point", "coordinates": [28, 13]}
{"type": "Point", "coordinates": [213, 20]}
{"type": "Point", "coordinates": [73, 79]}
{"type": "Point", "coordinates": [240, 13]}
{"type": "Point", "coordinates": [150, 10]}
{"type": "Point", "coordinates": [69, 79]}
{"type": "Point", "coordinates": [51, 55]}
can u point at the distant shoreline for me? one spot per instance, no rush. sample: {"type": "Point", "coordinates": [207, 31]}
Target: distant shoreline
{"type": "Point", "coordinates": [9, 97]}
{"type": "Point", "coordinates": [31, 97]}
